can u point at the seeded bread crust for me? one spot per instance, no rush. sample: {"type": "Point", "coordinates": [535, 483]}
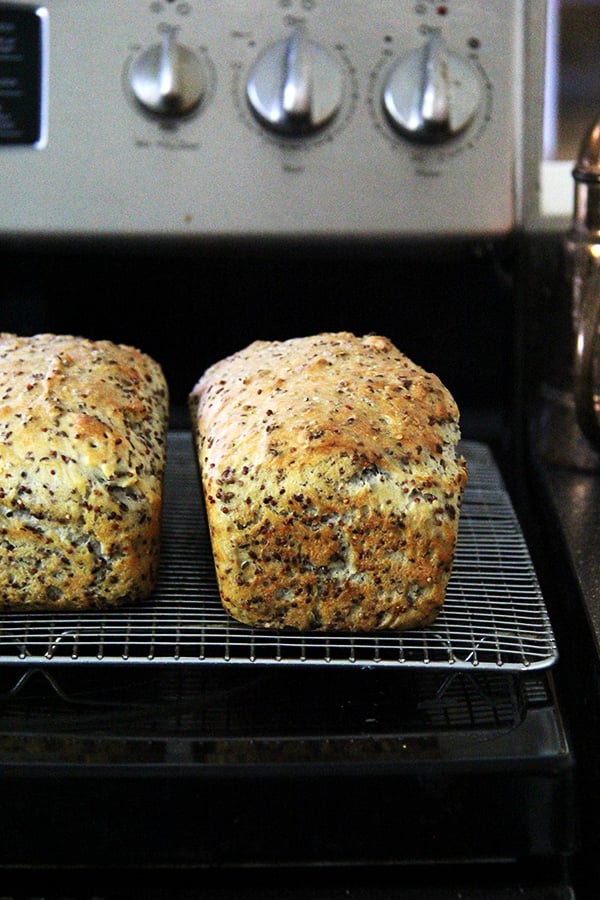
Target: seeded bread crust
{"type": "Point", "coordinates": [82, 453]}
{"type": "Point", "coordinates": [331, 482]}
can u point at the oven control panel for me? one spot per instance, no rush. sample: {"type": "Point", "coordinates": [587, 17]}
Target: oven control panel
{"type": "Point", "coordinates": [215, 119]}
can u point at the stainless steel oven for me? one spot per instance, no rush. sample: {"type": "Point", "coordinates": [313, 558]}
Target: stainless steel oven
{"type": "Point", "coordinates": [187, 177]}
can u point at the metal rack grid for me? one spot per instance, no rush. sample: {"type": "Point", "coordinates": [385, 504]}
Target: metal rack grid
{"type": "Point", "coordinates": [494, 616]}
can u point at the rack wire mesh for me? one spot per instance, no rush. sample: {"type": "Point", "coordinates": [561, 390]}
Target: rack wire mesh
{"type": "Point", "coordinates": [494, 616]}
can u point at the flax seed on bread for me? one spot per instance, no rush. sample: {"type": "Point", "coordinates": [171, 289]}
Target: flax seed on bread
{"type": "Point", "coordinates": [331, 482]}
{"type": "Point", "coordinates": [82, 454]}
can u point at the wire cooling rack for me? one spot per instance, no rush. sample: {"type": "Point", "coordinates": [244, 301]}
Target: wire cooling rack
{"type": "Point", "coordinates": [494, 616]}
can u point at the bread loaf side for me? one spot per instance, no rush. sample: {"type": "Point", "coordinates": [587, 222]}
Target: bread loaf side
{"type": "Point", "coordinates": [331, 481]}
{"type": "Point", "coordinates": [82, 453]}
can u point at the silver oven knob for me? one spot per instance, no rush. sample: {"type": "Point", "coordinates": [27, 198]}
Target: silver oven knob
{"type": "Point", "coordinates": [167, 79]}
{"type": "Point", "coordinates": [295, 86]}
{"type": "Point", "coordinates": [432, 94]}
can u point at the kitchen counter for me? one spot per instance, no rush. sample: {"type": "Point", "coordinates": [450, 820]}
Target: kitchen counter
{"type": "Point", "coordinates": [574, 504]}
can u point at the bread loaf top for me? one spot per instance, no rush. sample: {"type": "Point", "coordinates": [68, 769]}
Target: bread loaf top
{"type": "Point", "coordinates": [332, 482]}
{"type": "Point", "coordinates": [82, 454]}
{"type": "Point", "coordinates": [279, 400]}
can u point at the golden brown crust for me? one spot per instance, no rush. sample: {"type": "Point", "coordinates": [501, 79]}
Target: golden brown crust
{"type": "Point", "coordinates": [331, 483]}
{"type": "Point", "coordinates": [82, 454]}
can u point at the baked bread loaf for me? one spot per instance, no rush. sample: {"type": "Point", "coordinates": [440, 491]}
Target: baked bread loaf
{"type": "Point", "coordinates": [82, 453]}
{"type": "Point", "coordinates": [331, 482]}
